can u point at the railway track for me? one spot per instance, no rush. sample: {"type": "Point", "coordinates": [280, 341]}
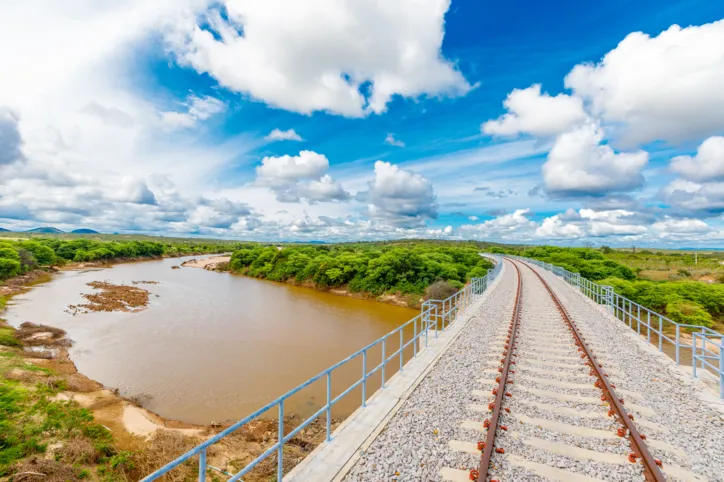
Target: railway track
{"type": "Point", "coordinates": [550, 411]}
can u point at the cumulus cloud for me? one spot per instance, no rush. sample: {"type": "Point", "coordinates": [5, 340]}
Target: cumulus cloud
{"type": "Point", "coordinates": [680, 227]}
{"type": "Point", "coordinates": [666, 87]}
{"type": "Point", "coordinates": [281, 170]}
{"type": "Point", "coordinates": [10, 140]}
{"type": "Point", "coordinates": [295, 177]}
{"type": "Point", "coordinates": [707, 165]}
{"type": "Point", "coordinates": [318, 54]}
{"type": "Point", "coordinates": [280, 135]}
{"type": "Point", "coordinates": [614, 222]}
{"type": "Point", "coordinates": [513, 226]}
{"type": "Point", "coordinates": [555, 228]}
{"type": "Point", "coordinates": [325, 189]}
{"type": "Point", "coordinates": [398, 196]}
{"type": "Point", "coordinates": [134, 191]}
{"type": "Point", "coordinates": [693, 198]}
{"type": "Point", "coordinates": [581, 165]}
{"type": "Point", "coordinates": [390, 139]}
{"type": "Point", "coordinates": [530, 112]}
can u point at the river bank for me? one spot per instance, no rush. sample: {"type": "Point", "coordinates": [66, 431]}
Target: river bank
{"type": "Point", "coordinates": [139, 437]}
{"type": "Point", "coordinates": [18, 284]}
{"type": "Point", "coordinates": [402, 300]}
{"type": "Point", "coordinates": [35, 363]}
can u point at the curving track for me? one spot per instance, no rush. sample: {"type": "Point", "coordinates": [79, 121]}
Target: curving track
{"type": "Point", "coordinates": [556, 380]}
{"type": "Point", "coordinates": [545, 376]}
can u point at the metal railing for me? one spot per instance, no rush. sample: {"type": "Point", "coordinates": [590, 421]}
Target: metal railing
{"type": "Point", "coordinates": [706, 344]}
{"type": "Point", "coordinates": [435, 316]}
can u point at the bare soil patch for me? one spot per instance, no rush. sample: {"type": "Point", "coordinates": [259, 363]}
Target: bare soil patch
{"type": "Point", "coordinates": [112, 297]}
{"type": "Point", "coordinates": [211, 263]}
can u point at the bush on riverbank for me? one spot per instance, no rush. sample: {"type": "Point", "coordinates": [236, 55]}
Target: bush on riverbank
{"type": "Point", "coordinates": [373, 268]}
{"type": "Point", "coordinates": [18, 257]}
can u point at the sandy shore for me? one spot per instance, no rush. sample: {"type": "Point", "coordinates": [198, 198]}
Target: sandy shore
{"type": "Point", "coordinates": [209, 263]}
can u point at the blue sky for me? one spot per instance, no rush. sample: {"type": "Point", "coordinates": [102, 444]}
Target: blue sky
{"type": "Point", "coordinates": [566, 123]}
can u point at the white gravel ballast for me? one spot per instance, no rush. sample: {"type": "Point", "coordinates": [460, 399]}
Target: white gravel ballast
{"type": "Point", "coordinates": [555, 426]}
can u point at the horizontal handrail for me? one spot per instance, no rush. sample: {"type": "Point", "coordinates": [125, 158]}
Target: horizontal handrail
{"type": "Point", "coordinates": [437, 314]}
{"type": "Point", "coordinates": [649, 321]}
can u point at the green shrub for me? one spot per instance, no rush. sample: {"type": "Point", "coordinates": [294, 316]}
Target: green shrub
{"type": "Point", "coordinates": [9, 268]}
{"type": "Point", "coordinates": [688, 313]}
{"type": "Point", "coordinates": [374, 268]}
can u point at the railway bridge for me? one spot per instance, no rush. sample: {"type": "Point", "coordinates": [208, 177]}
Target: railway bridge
{"type": "Point", "coordinates": [528, 374]}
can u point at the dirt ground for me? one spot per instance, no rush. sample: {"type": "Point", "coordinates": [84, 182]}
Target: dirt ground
{"type": "Point", "coordinates": [113, 297]}
{"type": "Point", "coordinates": [211, 263]}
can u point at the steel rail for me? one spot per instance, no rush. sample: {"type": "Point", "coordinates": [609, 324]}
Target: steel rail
{"type": "Point", "coordinates": [487, 451]}
{"type": "Point", "coordinates": [652, 472]}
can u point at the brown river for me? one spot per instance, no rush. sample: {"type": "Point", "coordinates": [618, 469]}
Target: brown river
{"type": "Point", "coordinates": [214, 346]}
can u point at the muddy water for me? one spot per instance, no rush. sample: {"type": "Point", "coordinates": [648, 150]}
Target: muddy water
{"type": "Point", "coordinates": [213, 346]}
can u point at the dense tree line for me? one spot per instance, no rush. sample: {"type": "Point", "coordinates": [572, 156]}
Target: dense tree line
{"type": "Point", "coordinates": [374, 268]}
{"type": "Point", "coordinates": [689, 302]}
{"type": "Point", "coordinates": [17, 257]}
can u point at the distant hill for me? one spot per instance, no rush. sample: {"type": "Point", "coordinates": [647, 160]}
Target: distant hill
{"type": "Point", "coordinates": [84, 231]}
{"type": "Point", "coordinates": [3, 230]}
{"type": "Point", "coordinates": [45, 230]}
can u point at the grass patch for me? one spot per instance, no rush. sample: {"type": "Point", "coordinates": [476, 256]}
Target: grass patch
{"type": "Point", "coordinates": [7, 338]}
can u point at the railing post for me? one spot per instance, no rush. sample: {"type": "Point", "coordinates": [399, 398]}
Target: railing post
{"type": "Point", "coordinates": [694, 347]}
{"type": "Point", "coordinates": [678, 332]}
{"type": "Point", "coordinates": [364, 378]}
{"type": "Point", "coordinates": [280, 453]}
{"type": "Point", "coordinates": [437, 320]}
{"type": "Point", "coordinates": [402, 349]}
{"type": "Point", "coordinates": [661, 333]}
{"type": "Point", "coordinates": [384, 358]}
{"type": "Point", "coordinates": [202, 465]}
{"type": "Point", "coordinates": [329, 406]}
{"type": "Point", "coordinates": [648, 325]}
{"type": "Point", "coordinates": [427, 330]}
{"type": "Point", "coordinates": [414, 338]}
{"type": "Point", "coordinates": [721, 367]}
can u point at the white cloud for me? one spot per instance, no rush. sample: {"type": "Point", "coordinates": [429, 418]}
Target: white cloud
{"type": "Point", "coordinates": [531, 112]}
{"type": "Point", "coordinates": [616, 222]}
{"type": "Point", "coordinates": [315, 55]}
{"type": "Point", "coordinates": [508, 227]}
{"type": "Point", "coordinates": [10, 140]}
{"type": "Point", "coordinates": [696, 199]}
{"type": "Point", "coordinates": [295, 177]}
{"type": "Point", "coordinates": [707, 165]}
{"type": "Point", "coordinates": [555, 228]}
{"type": "Point", "coordinates": [579, 164]}
{"type": "Point", "coordinates": [134, 191]}
{"type": "Point", "coordinates": [279, 135]}
{"type": "Point", "coordinates": [390, 139]}
{"type": "Point", "coordinates": [280, 171]}
{"type": "Point", "coordinates": [473, 218]}
{"type": "Point", "coordinates": [680, 227]}
{"type": "Point", "coordinates": [398, 196]}
{"type": "Point", "coordinates": [665, 87]}
{"type": "Point", "coordinates": [325, 189]}
{"type": "Point", "coordinates": [197, 109]}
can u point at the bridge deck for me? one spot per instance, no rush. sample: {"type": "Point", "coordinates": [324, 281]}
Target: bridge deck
{"type": "Point", "coordinates": [428, 431]}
